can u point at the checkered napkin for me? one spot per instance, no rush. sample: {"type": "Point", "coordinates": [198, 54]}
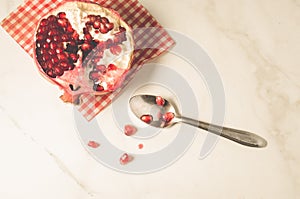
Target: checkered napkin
{"type": "Point", "coordinates": [150, 38]}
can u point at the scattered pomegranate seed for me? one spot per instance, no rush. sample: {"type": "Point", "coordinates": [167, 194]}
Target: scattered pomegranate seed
{"type": "Point", "coordinates": [116, 50]}
{"type": "Point", "coordinates": [141, 146]}
{"type": "Point", "coordinates": [168, 117]}
{"type": "Point", "coordinates": [147, 118]}
{"type": "Point", "coordinates": [104, 20]}
{"type": "Point", "coordinates": [129, 130]}
{"type": "Point", "coordinates": [96, 24]}
{"type": "Point", "coordinates": [112, 67]}
{"type": "Point", "coordinates": [110, 26]}
{"type": "Point", "coordinates": [160, 101]}
{"type": "Point", "coordinates": [103, 28]}
{"type": "Point", "coordinates": [125, 159]}
{"type": "Point", "coordinates": [44, 22]}
{"type": "Point", "coordinates": [93, 144]}
{"type": "Point", "coordinates": [100, 68]}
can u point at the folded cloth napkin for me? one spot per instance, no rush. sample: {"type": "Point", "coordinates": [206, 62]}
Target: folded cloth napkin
{"type": "Point", "coordinates": [151, 40]}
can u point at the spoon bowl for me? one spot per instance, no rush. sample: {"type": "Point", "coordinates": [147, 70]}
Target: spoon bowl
{"type": "Point", "coordinates": [161, 113]}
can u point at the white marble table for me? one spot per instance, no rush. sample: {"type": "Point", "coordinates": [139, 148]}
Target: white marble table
{"type": "Point", "coordinates": [255, 46]}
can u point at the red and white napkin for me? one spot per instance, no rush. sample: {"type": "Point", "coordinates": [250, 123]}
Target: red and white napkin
{"type": "Point", "coordinates": [151, 40]}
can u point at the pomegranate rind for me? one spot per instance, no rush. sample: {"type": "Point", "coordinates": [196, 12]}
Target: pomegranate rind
{"type": "Point", "coordinates": [83, 9]}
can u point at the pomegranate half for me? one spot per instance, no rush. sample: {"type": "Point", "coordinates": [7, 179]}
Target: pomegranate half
{"type": "Point", "coordinates": [83, 48]}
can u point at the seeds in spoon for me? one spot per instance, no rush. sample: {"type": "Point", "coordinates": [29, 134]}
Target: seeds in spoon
{"type": "Point", "coordinates": [147, 118]}
{"type": "Point", "coordinates": [168, 117]}
{"type": "Point", "coordinates": [160, 101]}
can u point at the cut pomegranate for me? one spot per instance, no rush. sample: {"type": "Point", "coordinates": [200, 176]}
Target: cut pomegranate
{"type": "Point", "coordinates": [168, 117]}
{"type": "Point", "coordinates": [147, 118]}
{"type": "Point", "coordinates": [125, 159]}
{"type": "Point", "coordinates": [160, 101]}
{"type": "Point", "coordinates": [93, 144]}
{"type": "Point", "coordinates": [70, 53]}
{"type": "Point", "coordinates": [129, 130]}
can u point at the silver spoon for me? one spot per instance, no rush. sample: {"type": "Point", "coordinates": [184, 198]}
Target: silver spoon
{"type": "Point", "coordinates": [145, 106]}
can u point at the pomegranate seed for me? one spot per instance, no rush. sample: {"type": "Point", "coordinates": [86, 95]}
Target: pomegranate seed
{"type": "Point", "coordinates": [168, 117]}
{"type": "Point", "coordinates": [69, 29]}
{"type": "Point", "coordinates": [51, 52]}
{"type": "Point", "coordinates": [96, 24]}
{"type": "Point", "coordinates": [59, 50]}
{"type": "Point", "coordinates": [160, 101]}
{"type": "Point", "coordinates": [52, 18]}
{"type": "Point", "coordinates": [104, 20]}
{"type": "Point", "coordinates": [100, 68]}
{"type": "Point", "coordinates": [64, 37]}
{"type": "Point", "coordinates": [116, 50]}
{"type": "Point", "coordinates": [97, 31]}
{"type": "Point", "coordinates": [110, 26]}
{"type": "Point", "coordinates": [48, 40]}
{"type": "Point", "coordinates": [122, 29]}
{"type": "Point", "coordinates": [103, 29]}
{"type": "Point", "coordinates": [98, 88]}
{"type": "Point", "coordinates": [88, 36]}
{"type": "Point", "coordinates": [125, 159]}
{"type": "Point", "coordinates": [64, 65]}
{"type": "Point", "coordinates": [61, 15]}
{"type": "Point", "coordinates": [112, 67]}
{"type": "Point", "coordinates": [91, 18]}
{"type": "Point", "coordinates": [50, 65]}
{"type": "Point", "coordinates": [53, 32]}
{"type": "Point", "coordinates": [41, 30]}
{"type": "Point", "coordinates": [53, 45]}
{"type": "Point", "coordinates": [129, 130]}
{"type": "Point", "coordinates": [56, 38]}
{"type": "Point", "coordinates": [51, 74]}
{"type": "Point", "coordinates": [55, 60]}
{"type": "Point", "coordinates": [62, 56]}
{"type": "Point", "coordinates": [44, 22]}
{"type": "Point", "coordinates": [141, 146]}
{"type": "Point", "coordinates": [46, 57]}
{"type": "Point", "coordinates": [93, 144]}
{"type": "Point", "coordinates": [85, 47]}
{"type": "Point", "coordinates": [75, 36]}
{"type": "Point", "coordinates": [74, 57]}
{"type": "Point", "coordinates": [94, 75]}
{"type": "Point", "coordinates": [58, 71]}
{"type": "Point", "coordinates": [46, 45]}
{"type": "Point", "coordinates": [147, 118]}
{"type": "Point", "coordinates": [39, 37]}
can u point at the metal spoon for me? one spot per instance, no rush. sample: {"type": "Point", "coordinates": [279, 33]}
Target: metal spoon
{"type": "Point", "coordinates": [142, 105]}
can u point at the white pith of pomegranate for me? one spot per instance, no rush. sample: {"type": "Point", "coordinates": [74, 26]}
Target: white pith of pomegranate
{"type": "Point", "coordinates": [84, 48]}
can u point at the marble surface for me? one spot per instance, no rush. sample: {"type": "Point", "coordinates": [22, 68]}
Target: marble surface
{"type": "Point", "coordinates": [255, 46]}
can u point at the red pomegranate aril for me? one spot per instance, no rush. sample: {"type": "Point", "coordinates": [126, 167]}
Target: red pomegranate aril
{"type": "Point", "coordinates": [53, 45]}
{"type": "Point", "coordinates": [59, 50]}
{"type": "Point", "coordinates": [46, 57]}
{"type": "Point", "coordinates": [116, 50]}
{"type": "Point", "coordinates": [112, 67]}
{"type": "Point", "coordinates": [44, 22]}
{"type": "Point", "coordinates": [96, 24]}
{"type": "Point", "coordinates": [50, 73]}
{"type": "Point", "coordinates": [62, 15]}
{"type": "Point", "coordinates": [64, 38]}
{"type": "Point", "coordinates": [88, 36]}
{"type": "Point", "coordinates": [62, 56]}
{"type": "Point", "coordinates": [41, 30]}
{"type": "Point", "coordinates": [85, 47]}
{"type": "Point", "coordinates": [63, 22]}
{"type": "Point", "coordinates": [40, 37]}
{"type": "Point", "coordinates": [103, 28]}
{"type": "Point", "coordinates": [100, 68]}
{"type": "Point", "coordinates": [160, 101]}
{"type": "Point", "coordinates": [51, 52]}
{"type": "Point", "coordinates": [91, 18]}
{"type": "Point", "coordinates": [69, 29]}
{"type": "Point", "coordinates": [46, 45]}
{"type": "Point", "coordinates": [74, 57]}
{"type": "Point", "coordinates": [58, 71]}
{"type": "Point", "coordinates": [168, 117]}
{"type": "Point", "coordinates": [110, 26]}
{"type": "Point", "coordinates": [147, 118]}
{"type": "Point", "coordinates": [54, 60]}
{"type": "Point", "coordinates": [53, 32]}
{"type": "Point", "coordinates": [52, 18]}
{"type": "Point", "coordinates": [75, 36]}
{"type": "Point", "coordinates": [104, 20]}
{"type": "Point", "coordinates": [64, 65]}
{"type": "Point", "coordinates": [57, 38]}
{"type": "Point", "coordinates": [129, 130]}
{"type": "Point", "coordinates": [125, 159]}
{"type": "Point", "coordinates": [93, 144]}
{"type": "Point", "coordinates": [141, 146]}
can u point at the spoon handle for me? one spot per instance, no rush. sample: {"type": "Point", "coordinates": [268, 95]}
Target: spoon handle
{"type": "Point", "coordinates": [239, 136]}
